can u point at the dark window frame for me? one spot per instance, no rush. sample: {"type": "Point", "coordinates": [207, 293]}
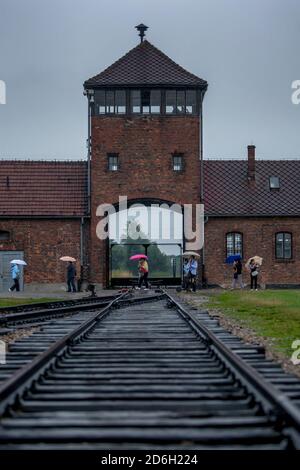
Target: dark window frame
{"type": "Point", "coordinates": [113, 157]}
{"type": "Point", "coordinates": [114, 105]}
{"type": "Point", "coordinates": [145, 100]}
{"type": "Point", "coordinates": [5, 235]}
{"type": "Point", "coordinates": [176, 111]}
{"type": "Point", "coordinates": [101, 101]}
{"type": "Point", "coordinates": [283, 257]}
{"type": "Point", "coordinates": [235, 252]}
{"type": "Point", "coordinates": [275, 188]}
{"type": "Point", "coordinates": [178, 156]}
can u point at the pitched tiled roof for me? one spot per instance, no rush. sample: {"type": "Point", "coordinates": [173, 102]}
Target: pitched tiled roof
{"type": "Point", "coordinates": [145, 65]}
{"type": "Point", "coordinates": [42, 188]}
{"type": "Point", "coordinates": [227, 192]}
{"type": "Point", "coordinates": [36, 188]}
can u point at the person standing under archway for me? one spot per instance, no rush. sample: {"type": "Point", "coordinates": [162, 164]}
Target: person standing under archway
{"type": "Point", "coordinates": [143, 271]}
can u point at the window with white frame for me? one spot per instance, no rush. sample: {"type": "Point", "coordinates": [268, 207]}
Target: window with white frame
{"type": "Point", "coordinates": [234, 244]}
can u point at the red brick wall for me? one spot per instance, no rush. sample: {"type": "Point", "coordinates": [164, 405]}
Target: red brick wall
{"type": "Point", "coordinates": [258, 239]}
{"type": "Point", "coordinates": [43, 243]}
{"type": "Point", "coordinates": [145, 146]}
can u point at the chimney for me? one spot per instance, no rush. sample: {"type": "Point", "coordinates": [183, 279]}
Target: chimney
{"type": "Point", "coordinates": [251, 163]}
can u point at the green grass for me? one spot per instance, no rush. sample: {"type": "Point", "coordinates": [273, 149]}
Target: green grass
{"type": "Point", "coordinates": [13, 302]}
{"type": "Point", "coordinates": [271, 314]}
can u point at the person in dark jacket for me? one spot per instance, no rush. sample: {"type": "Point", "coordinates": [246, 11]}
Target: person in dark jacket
{"type": "Point", "coordinates": [237, 274]}
{"type": "Point", "coordinates": [71, 274]}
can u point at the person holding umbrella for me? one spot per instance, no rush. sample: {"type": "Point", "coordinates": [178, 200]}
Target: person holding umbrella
{"type": "Point", "coordinates": [143, 269]}
{"type": "Point", "coordinates": [71, 272]}
{"type": "Point", "coordinates": [253, 265]}
{"type": "Point", "coordinates": [143, 273]}
{"type": "Point", "coordinates": [191, 268]}
{"type": "Point", "coordinates": [15, 274]}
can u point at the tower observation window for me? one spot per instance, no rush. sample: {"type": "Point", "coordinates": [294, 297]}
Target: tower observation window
{"type": "Point", "coordinates": [144, 101]}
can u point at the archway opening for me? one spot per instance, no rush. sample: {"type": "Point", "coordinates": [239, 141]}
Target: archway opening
{"type": "Point", "coordinates": [155, 230]}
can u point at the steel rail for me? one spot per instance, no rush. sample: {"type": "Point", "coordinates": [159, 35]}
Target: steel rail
{"type": "Point", "coordinates": [22, 308]}
{"type": "Point", "coordinates": [275, 402]}
{"type": "Point", "coordinates": [54, 312]}
{"type": "Point", "coordinates": [14, 386]}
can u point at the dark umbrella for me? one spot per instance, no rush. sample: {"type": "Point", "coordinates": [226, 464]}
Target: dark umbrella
{"type": "Point", "coordinates": [230, 259]}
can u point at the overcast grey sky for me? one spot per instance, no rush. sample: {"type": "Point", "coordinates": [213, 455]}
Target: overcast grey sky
{"type": "Point", "coordinates": [247, 50]}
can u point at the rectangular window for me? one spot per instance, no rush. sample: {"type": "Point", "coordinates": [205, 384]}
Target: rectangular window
{"type": "Point", "coordinates": [234, 244]}
{"type": "Point", "coordinates": [170, 101]}
{"type": "Point", "coordinates": [135, 99]}
{"type": "Point", "coordinates": [284, 245]}
{"type": "Point", "coordinates": [274, 182]}
{"type": "Point", "coordinates": [191, 102]}
{"type": "Point", "coordinates": [100, 101]}
{"type": "Point", "coordinates": [113, 162]}
{"type": "Point", "coordinates": [155, 101]}
{"type": "Point", "coordinates": [145, 101]}
{"type": "Point", "coordinates": [120, 101]}
{"type": "Point", "coordinates": [110, 102]}
{"type": "Point", "coordinates": [180, 102]}
{"type": "Point", "coordinates": [178, 162]}
{"type": "Point", "coordinates": [4, 235]}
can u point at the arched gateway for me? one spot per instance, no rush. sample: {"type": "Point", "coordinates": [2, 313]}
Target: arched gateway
{"type": "Point", "coordinates": [145, 121]}
{"type": "Point", "coordinates": [153, 228]}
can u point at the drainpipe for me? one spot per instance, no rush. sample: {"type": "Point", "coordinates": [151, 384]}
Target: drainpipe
{"type": "Point", "coordinates": [90, 100]}
{"type": "Point", "coordinates": [203, 278]}
{"type": "Point", "coordinates": [201, 147]}
{"type": "Point", "coordinates": [81, 242]}
{"type": "Point", "coordinates": [80, 281]}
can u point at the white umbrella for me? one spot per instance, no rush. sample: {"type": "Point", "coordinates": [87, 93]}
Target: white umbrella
{"type": "Point", "coordinates": [19, 261]}
{"type": "Point", "coordinates": [190, 253]}
{"type": "Point", "coordinates": [257, 259]}
{"type": "Point", "coordinates": [67, 258]}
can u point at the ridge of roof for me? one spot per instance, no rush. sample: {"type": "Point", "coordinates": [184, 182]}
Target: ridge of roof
{"type": "Point", "coordinates": [40, 161]}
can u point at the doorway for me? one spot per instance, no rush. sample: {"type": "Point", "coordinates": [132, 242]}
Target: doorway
{"type": "Point", "coordinates": [5, 269]}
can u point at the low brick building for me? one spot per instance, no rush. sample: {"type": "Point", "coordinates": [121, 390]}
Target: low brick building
{"type": "Point", "coordinates": [145, 142]}
{"type": "Point", "coordinates": [43, 210]}
{"type": "Point", "coordinates": [253, 207]}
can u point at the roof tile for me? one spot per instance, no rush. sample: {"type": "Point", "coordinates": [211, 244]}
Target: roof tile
{"type": "Point", "coordinates": [43, 188]}
{"type": "Point", "coordinates": [227, 192]}
{"type": "Point", "coordinates": [145, 65]}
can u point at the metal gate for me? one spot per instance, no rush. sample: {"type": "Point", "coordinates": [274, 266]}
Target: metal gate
{"type": "Point", "coordinates": [5, 269]}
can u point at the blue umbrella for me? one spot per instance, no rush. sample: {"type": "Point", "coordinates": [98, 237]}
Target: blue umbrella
{"type": "Point", "coordinates": [230, 259]}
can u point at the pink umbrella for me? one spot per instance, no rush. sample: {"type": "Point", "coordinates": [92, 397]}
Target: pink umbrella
{"type": "Point", "coordinates": [134, 257]}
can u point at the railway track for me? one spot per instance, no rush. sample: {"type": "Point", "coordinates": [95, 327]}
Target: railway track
{"type": "Point", "coordinates": [144, 373]}
{"type": "Point", "coordinates": [29, 313]}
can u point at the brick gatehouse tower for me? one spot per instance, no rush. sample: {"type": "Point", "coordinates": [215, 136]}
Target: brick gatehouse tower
{"type": "Point", "coordinates": [145, 134]}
